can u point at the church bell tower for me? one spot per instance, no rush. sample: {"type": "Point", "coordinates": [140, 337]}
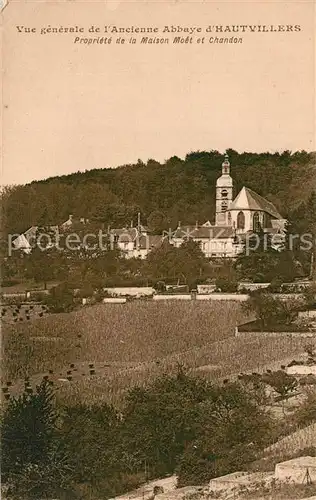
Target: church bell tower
{"type": "Point", "coordinates": [224, 195]}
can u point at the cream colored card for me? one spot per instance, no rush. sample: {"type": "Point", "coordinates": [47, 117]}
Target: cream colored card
{"type": "Point", "coordinates": [95, 84]}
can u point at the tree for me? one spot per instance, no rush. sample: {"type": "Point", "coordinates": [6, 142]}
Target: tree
{"type": "Point", "coordinates": [306, 414]}
{"type": "Point", "coordinates": [186, 262]}
{"type": "Point", "coordinates": [166, 413]}
{"type": "Point", "coordinates": [311, 218]}
{"type": "Point", "coordinates": [157, 222]}
{"type": "Point", "coordinates": [224, 284]}
{"type": "Point", "coordinates": [310, 296]}
{"type": "Point", "coordinates": [33, 465]}
{"type": "Point", "coordinates": [60, 299]}
{"type": "Point", "coordinates": [231, 428]}
{"type": "Point", "coordinates": [43, 265]}
{"type": "Point", "coordinates": [89, 436]}
{"type": "Point", "coordinates": [271, 311]}
{"type": "Point", "coordinates": [281, 382]}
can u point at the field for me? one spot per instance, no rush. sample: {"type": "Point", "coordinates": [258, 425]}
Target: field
{"type": "Point", "coordinates": [128, 344]}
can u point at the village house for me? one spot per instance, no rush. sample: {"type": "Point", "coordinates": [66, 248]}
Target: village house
{"type": "Point", "coordinates": [31, 238]}
{"type": "Point", "coordinates": [135, 241]}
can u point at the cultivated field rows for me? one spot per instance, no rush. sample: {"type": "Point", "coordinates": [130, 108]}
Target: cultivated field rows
{"type": "Point", "coordinates": [132, 345]}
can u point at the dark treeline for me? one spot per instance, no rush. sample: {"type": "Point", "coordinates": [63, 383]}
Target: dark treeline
{"type": "Point", "coordinates": [179, 189]}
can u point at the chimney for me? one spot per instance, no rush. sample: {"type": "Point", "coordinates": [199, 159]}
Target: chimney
{"type": "Point", "coordinates": [70, 217]}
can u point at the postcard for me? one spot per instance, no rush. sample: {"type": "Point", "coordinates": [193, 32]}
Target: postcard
{"type": "Point", "coordinates": [158, 240]}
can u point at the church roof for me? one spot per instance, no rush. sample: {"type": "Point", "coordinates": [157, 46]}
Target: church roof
{"type": "Point", "coordinates": [249, 200]}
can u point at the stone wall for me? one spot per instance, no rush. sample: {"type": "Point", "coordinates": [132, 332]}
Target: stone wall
{"type": "Point", "coordinates": [301, 370]}
{"type": "Point", "coordinates": [173, 296]}
{"type": "Point", "coordinates": [114, 300]}
{"type": "Point", "coordinates": [133, 291]}
{"type": "Point", "coordinates": [274, 334]}
{"type": "Point", "coordinates": [237, 297]}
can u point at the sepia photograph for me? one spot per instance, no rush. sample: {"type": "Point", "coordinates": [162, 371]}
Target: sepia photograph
{"type": "Point", "coordinates": [158, 250]}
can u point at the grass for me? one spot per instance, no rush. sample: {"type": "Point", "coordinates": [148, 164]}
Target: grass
{"type": "Point", "coordinates": [136, 341]}
{"type": "Point", "coordinates": [21, 312]}
{"type": "Point", "coordinates": [27, 285]}
{"type": "Point", "coordinates": [281, 491]}
{"type": "Point", "coordinates": [135, 331]}
{"type": "Point", "coordinates": [299, 440]}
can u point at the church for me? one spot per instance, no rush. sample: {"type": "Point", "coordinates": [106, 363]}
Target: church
{"type": "Point", "coordinates": [235, 218]}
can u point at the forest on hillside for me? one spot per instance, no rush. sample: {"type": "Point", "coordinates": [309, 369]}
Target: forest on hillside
{"type": "Point", "coordinates": [164, 193]}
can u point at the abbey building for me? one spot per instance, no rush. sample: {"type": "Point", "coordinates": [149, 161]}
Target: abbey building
{"type": "Point", "coordinates": [235, 219]}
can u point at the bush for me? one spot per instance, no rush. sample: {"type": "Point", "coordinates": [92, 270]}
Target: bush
{"type": "Point", "coordinates": [281, 382]}
{"type": "Point", "coordinates": [195, 470]}
{"type": "Point", "coordinates": [60, 299]}
{"type": "Point", "coordinates": [226, 285]}
{"type": "Point", "coordinates": [9, 282]}
{"type": "Point", "coordinates": [33, 465]}
{"type": "Point", "coordinates": [306, 414]}
{"type": "Point", "coordinates": [275, 285]}
{"type": "Point", "coordinates": [271, 311]}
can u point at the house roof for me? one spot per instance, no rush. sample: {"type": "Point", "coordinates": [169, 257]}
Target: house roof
{"type": "Point", "coordinates": [249, 200]}
{"type": "Point", "coordinates": [125, 235]}
{"type": "Point", "coordinates": [128, 233]}
{"type": "Point", "coordinates": [204, 232]}
{"type": "Point", "coordinates": [32, 231]}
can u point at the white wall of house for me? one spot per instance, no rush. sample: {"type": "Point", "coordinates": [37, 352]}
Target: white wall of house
{"type": "Point", "coordinates": [222, 296]}
{"type": "Point", "coordinates": [132, 291]}
{"type": "Point", "coordinates": [127, 248]}
{"type": "Point", "coordinates": [172, 297]}
{"type": "Point", "coordinates": [214, 247]}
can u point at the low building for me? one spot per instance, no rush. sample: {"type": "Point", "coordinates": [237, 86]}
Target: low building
{"type": "Point", "coordinates": [42, 236]}
{"type": "Point", "coordinates": [134, 242]}
{"type": "Point", "coordinates": [235, 481]}
{"type": "Point", "coordinates": [71, 221]}
{"type": "Point", "coordinates": [214, 241]}
{"type": "Point", "coordinates": [301, 470]}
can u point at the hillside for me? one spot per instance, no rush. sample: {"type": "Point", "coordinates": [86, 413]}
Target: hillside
{"type": "Point", "coordinates": [179, 189]}
{"type": "Point", "coordinates": [134, 343]}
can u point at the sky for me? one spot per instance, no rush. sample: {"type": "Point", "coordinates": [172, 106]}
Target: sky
{"type": "Point", "coordinates": [70, 107]}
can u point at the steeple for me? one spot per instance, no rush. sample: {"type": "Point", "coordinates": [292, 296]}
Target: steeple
{"type": "Point", "coordinates": [226, 165]}
{"type": "Point", "coordinates": [224, 194]}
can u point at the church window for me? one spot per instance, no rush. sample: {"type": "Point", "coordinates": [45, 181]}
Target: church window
{"type": "Point", "coordinates": [224, 206]}
{"type": "Point", "coordinates": [266, 221]}
{"type": "Point", "coordinates": [256, 222]}
{"type": "Point", "coordinates": [229, 219]}
{"type": "Point", "coordinates": [224, 193]}
{"type": "Point", "coordinates": [241, 220]}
